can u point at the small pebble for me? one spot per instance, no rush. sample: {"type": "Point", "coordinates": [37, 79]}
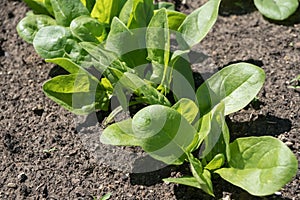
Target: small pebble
{"type": "Point", "coordinates": [289, 144]}
{"type": "Point", "coordinates": [12, 185]}
{"type": "Point", "coordinates": [22, 177]}
{"type": "Point", "coordinates": [278, 193]}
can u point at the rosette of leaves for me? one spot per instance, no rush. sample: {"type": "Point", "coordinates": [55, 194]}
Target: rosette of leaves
{"type": "Point", "coordinates": [125, 52]}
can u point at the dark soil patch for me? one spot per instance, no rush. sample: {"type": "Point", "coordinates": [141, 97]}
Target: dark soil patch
{"type": "Point", "coordinates": [45, 156]}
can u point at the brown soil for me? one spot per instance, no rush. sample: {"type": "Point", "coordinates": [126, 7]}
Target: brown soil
{"type": "Point", "coordinates": [31, 124]}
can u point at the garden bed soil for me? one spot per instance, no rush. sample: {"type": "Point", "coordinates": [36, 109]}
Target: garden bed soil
{"type": "Point", "coordinates": [45, 156]}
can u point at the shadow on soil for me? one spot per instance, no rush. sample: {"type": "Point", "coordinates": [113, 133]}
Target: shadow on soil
{"type": "Point", "coordinates": [260, 126]}
{"type": "Point", "coordinates": [236, 7]}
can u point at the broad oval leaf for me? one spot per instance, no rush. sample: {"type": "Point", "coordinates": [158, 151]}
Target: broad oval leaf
{"type": "Point", "coordinates": [120, 134]}
{"type": "Point", "coordinates": [216, 163]}
{"type": "Point", "coordinates": [88, 29]}
{"type": "Point", "coordinates": [67, 64]}
{"type": "Point", "coordinates": [277, 9]}
{"type": "Point", "coordinates": [187, 108]}
{"type": "Point", "coordinates": [78, 93]}
{"type": "Point", "coordinates": [175, 19]}
{"type": "Point", "coordinates": [235, 85]}
{"type": "Point", "coordinates": [196, 25]}
{"type": "Point", "coordinates": [164, 133]}
{"type": "Point", "coordinates": [31, 24]}
{"type": "Point", "coordinates": [50, 41]}
{"type": "Point", "coordinates": [125, 43]}
{"type": "Point", "coordinates": [158, 48]}
{"type": "Point", "coordinates": [260, 165]}
{"type": "Point", "coordinates": [137, 13]}
{"type": "Point", "coordinates": [38, 6]}
{"type": "Point", "coordinates": [105, 10]}
{"type": "Point", "coordinates": [67, 10]}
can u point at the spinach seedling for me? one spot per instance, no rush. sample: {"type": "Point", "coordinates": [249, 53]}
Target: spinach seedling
{"type": "Point", "coordinates": [122, 50]}
{"type": "Point", "coordinates": [296, 82]}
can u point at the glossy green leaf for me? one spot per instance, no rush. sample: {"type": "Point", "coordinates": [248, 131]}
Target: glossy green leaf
{"type": "Point", "coordinates": [88, 29]}
{"type": "Point", "coordinates": [183, 85]}
{"type": "Point", "coordinates": [260, 165]}
{"type": "Point", "coordinates": [89, 4]}
{"type": "Point", "coordinates": [38, 6]}
{"type": "Point", "coordinates": [202, 176]}
{"type": "Point", "coordinates": [120, 134]}
{"type": "Point", "coordinates": [187, 108]}
{"type": "Point", "coordinates": [277, 10]}
{"type": "Point", "coordinates": [164, 133]}
{"type": "Point", "coordinates": [175, 19]}
{"type": "Point", "coordinates": [126, 43]}
{"type": "Point", "coordinates": [137, 13]}
{"type": "Point", "coordinates": [31, 24]}
{"type": "Point", "coordinates": [78, 93]}
{"type": "Point", "coordinates": [167, 5]}
{"type": "Point", "coordinates": [105, 10]}
{"type": "Point", "coordinates": [67, 64]}
{"type": "Point", "coordinates": [235, 85]}
{"type": "Point", "coordinates": [197, 24]}
{"type": "Point", "coordinates": [158, 48]}
{"type": "Point", "coordinates": [210, 133]}
{"type": "Point", "coordinates": [103, 57]}
{"type": "Point", "coordinates": [146, 93]}
{"type": "Point", "coordinates": [51, 41]}
{"type": "Point", "coordinates": [67, 10]}
{"type": "Point", "coordinates": [216, 163]}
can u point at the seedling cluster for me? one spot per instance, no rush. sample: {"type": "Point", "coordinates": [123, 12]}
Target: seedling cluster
{"type": "Point", "coordinates": [118, 49]}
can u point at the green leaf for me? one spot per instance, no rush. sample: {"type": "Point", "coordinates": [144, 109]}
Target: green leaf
{"type": "Point", "coordinates": [260, 165]}
{"type": "Point", "coordinates": [78, 93]}
{"type": "Point", "coordinates": [126, 43]}
{"type": "Point", "coordinates": [137, 13]}
{"type": "Point", "coordinates": [183, 81]}
{"type": "Point", "coordinates": [277, 10]}
{"type": "Point", "coordinates": [120, 134]}
{"type": "Point", "coordinates": [164, 133]}
{"type": "Point", "coordinates": [235, 85]}
{"type": "Point", "coordinates": [31, 24]}
{"type": "Point", "coordinates": [105, 10]}
{"type": "Point", "coordinates": [197, 24]}
{"type": "Point", "coordinates": [50, 41]}
{"type": "Point", "coordinates": [67, 10]}
{"type": "Point", "coordinates": [216, 163]}
{"type": "Point", "coordinates": [67, 64]}
{"type": "Point", "coordinates": [202, 176]}
{"type": "Point", "coordinates": [211, 129]}
{"type": "Point", "coordinates": [88, 29]}
{"type": "Point", "coordinates": [158, 48]}
{"type": "Point", "coordinates": [166, 5]}
{"type": "Point", "coordinates": [103, 57]}
{"type": "Point", "coordinates": [89, 4]}
{"type": "Point", "coordinates": [187, 108]}
{"type": "Point", "coordinates": [38, 6]}
{"type": "Point", "coordinates": [145, 92]}
{"type": "Point", "coordinates": [106, 196]}
{"type": "Point", "coordinates": [175, 19]}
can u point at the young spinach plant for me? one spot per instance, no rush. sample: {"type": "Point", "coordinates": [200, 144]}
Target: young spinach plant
{"type": "Point", "coordinates": [122, 49]}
